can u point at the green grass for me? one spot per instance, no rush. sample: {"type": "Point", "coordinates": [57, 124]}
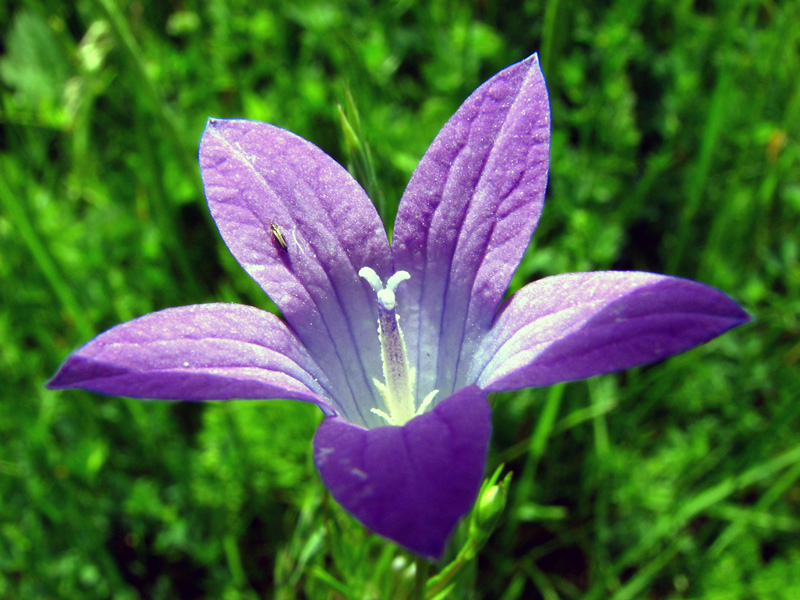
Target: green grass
{"type": "Point", "coordinates": [675, 150]}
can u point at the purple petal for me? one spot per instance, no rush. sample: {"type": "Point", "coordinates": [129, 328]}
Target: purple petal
{"type": "Point", "coordinates": [467, 217]}
{"type": "Point", "coordinates": [257, 175]}
{"type": "Point", "coordinates": [413, 483]}
{"type": "Point", "coordinates": [202, 352]}
{"type": "Point", "coordinates": [578, 325]}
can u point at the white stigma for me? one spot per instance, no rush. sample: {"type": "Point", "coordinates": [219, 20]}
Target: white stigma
{"type": "Point", "coordinates": [398, 385]}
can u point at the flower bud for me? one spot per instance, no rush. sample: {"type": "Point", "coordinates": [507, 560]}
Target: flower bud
{"type": "Point", "coordinates": [489, 508]}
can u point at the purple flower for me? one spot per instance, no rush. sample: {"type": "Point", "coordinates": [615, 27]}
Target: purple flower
{"type": "Point", "coordinates": [403, 445]}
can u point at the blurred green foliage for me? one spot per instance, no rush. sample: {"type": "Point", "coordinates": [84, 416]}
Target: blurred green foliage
{"type": "Point", "coordinates": [675, 150]}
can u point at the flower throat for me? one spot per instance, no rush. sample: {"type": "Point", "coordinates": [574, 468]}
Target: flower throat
{"type": "Point", "coordinates": [397, 387]}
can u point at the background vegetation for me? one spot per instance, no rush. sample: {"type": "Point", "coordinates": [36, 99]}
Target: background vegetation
{"type": "Point", "coordinates": [675, 150]}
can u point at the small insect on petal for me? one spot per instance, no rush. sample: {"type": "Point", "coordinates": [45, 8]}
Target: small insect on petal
{"type": "Point", "coordinates": [277, 235]}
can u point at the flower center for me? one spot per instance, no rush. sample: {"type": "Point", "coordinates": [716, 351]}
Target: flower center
{"type": "Point", "coordinates": [398, 376]}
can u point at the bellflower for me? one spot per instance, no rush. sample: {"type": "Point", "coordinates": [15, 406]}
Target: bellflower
{"type": "Point", "coordinates": [398, 345]}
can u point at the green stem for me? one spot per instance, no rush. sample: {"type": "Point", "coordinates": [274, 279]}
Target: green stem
{"type": "Point", "coordinates": [42, 258]}
{"type": "Point", "coordinates": [536, 449]}
{"type": "Point", "coordinates": [451, 571]}
{"type": "Point", "coordinates": [421, 578]}
{"type": "Point", "coordinates": [714, 125]}
{"type": "Point", "coordinates": [164, 212]}
{"type": "Point", "coordinates": [162, 111]}
{"type": "Point", "coordinates": [362, 165]}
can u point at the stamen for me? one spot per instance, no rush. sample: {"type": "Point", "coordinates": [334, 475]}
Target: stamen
{"type": "Point", "coordinates": [381, 414]}
{"type": "Point", "coordinates": [426, 402]}
{"type": "Point", "coordinates": [398, 376]}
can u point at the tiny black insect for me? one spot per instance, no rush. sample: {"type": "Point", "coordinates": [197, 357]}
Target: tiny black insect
{"type": "Point", "coordinates": [277, 235]}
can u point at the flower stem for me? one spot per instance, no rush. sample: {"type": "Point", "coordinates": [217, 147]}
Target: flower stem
{"type": "Point", "coordinates": [420, 578]}
{"type": "Point", "coordinates": [445, 578]}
